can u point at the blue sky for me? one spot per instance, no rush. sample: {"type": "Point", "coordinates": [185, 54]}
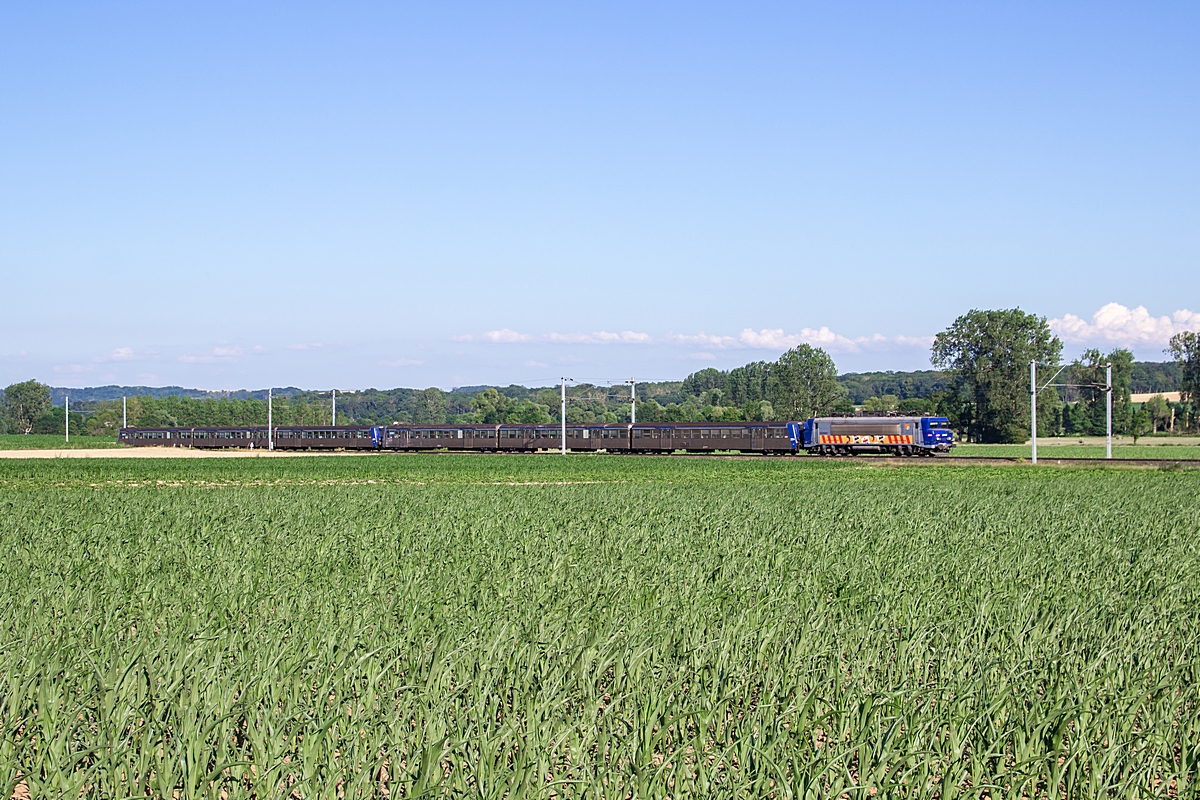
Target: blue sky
{"type": "Point", "coordinates": [359, 195]}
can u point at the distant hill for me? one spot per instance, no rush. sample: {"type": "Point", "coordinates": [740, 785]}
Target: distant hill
{"type": "Point", "coordinates": [1148, 376]}
{"type": "Point", "coordinates": [428, 404]}
{"type": "Point", "coordinates": [904, 385]}
{"type": "Point", "coordinates": [1154, 376]}
{"type": "Point", "coordinates": [93, 394]}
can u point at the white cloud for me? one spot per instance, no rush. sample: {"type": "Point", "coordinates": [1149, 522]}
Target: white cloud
{"type": "Point", "coordinates": [924, 342]}
{"type": "Point", "coordinates": [124, 354]}
{"type": "Point", "coordinates": [702, 340]}
{"type": "Point", "coordinates": [1123, 326]}
{"type": "Point", "coordinates": [777, 339]}
{"type": "Point", "coordinates": [506, 336]}
{"type": "Point", "coordinates": [600, 337]}
{"type": "Point", "coordinates": [403, 362]}
{"type": "Point", "coordinates": [532, 363]}
{"type": "Point", "coordinates": [219, 354]}
{"type": "Point", "coordinates": [764, 339]}
{"type": "Point", "coordinates": [308, 346]}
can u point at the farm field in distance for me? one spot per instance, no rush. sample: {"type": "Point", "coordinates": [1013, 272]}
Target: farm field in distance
{"type": "Point", "coordinates": [1067, 448]}
{"type": "Point", "coordinates": [601, 627]}
{"type": "Point", "coordinates": [37, 441]}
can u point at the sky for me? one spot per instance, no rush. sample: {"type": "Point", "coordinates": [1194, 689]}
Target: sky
{"type": "Point", "coordinates": [356, 195]}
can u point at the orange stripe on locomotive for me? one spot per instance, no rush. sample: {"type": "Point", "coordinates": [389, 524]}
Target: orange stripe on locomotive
{"type": "Point", "coordinates": [825, 438]}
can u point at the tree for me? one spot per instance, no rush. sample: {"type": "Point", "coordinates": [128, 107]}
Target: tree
{"type": "Point", "coordinates": [988, 355]}
{"type": "Point", "coordinates": [1092, 368]}
{"type": "Point", "coordinates": [889, 402]}
{"type": "Point", "coordinates": [1184, 347]}
{"type": "Point", "coordinates": [24, 403]}
{"type": "Point", "coordinates": [1141, 423]}
{"type": "Point", "coordinates": [760, 411]}
{"type": "Point", "coordinates": [748, 384]}
{"type": "Point", "coordinates": [1158, 412]}
{"type": "Point", "coordinates": [803, 383]}
{"type": "Point", "coordinates": [430, 407]}
{"type": "Point", "coordinates": [916, 405]}
{"type": "Point", "coordinates": [490, 407]}
{"type": "Point", "coordinates": [702, 381]}
{"type": "Point", "coordinates": [528, 412]}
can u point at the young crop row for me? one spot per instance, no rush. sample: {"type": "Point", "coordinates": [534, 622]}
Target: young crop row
{"type": "Point", "coordinates": [691, 629]}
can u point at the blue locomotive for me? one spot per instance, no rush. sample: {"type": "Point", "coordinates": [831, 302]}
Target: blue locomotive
{"type": "Point", "coordinates": [902, 436]}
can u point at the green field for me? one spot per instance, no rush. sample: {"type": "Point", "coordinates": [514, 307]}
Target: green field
{"type": "Point", "coordinates": [37, 441]}
{"type": "Point", "coordinates": [1055, 450]}
{"type": "Point", "coordinates": [523, 626]}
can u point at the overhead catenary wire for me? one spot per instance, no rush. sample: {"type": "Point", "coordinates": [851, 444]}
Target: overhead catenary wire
{"type": "Point", "coordinates": [1033, 395]}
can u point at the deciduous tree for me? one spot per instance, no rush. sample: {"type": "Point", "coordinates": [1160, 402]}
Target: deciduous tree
{"type": "Point", "coordinates": [1185, 349]}
{"type": "Point", "coordinates": [1158, 411]}
{"type": "Point", "coordinates": [1091, 369]}
{"type": "Point", "coordinates": [24, 403]}
{"type": "Point", "coordinates": [803, 383]}
{"type": "Point", "coordinates": [988, 355]}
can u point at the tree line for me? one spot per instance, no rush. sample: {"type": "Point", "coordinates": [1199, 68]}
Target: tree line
{"type": "Point", "coordinates": [987, 355]}
{"type": "Point", "coordinates": [981, 383]}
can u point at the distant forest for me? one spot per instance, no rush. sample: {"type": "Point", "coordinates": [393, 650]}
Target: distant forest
{"type": "Point", "coordinates": [709, 394]}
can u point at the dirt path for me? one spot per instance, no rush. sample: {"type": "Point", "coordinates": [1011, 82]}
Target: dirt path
{"type": "Point", "coordinates": [159, 452]}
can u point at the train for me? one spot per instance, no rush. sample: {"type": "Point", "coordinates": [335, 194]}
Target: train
{"type": "Point", "coordinates": [833, 436]}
